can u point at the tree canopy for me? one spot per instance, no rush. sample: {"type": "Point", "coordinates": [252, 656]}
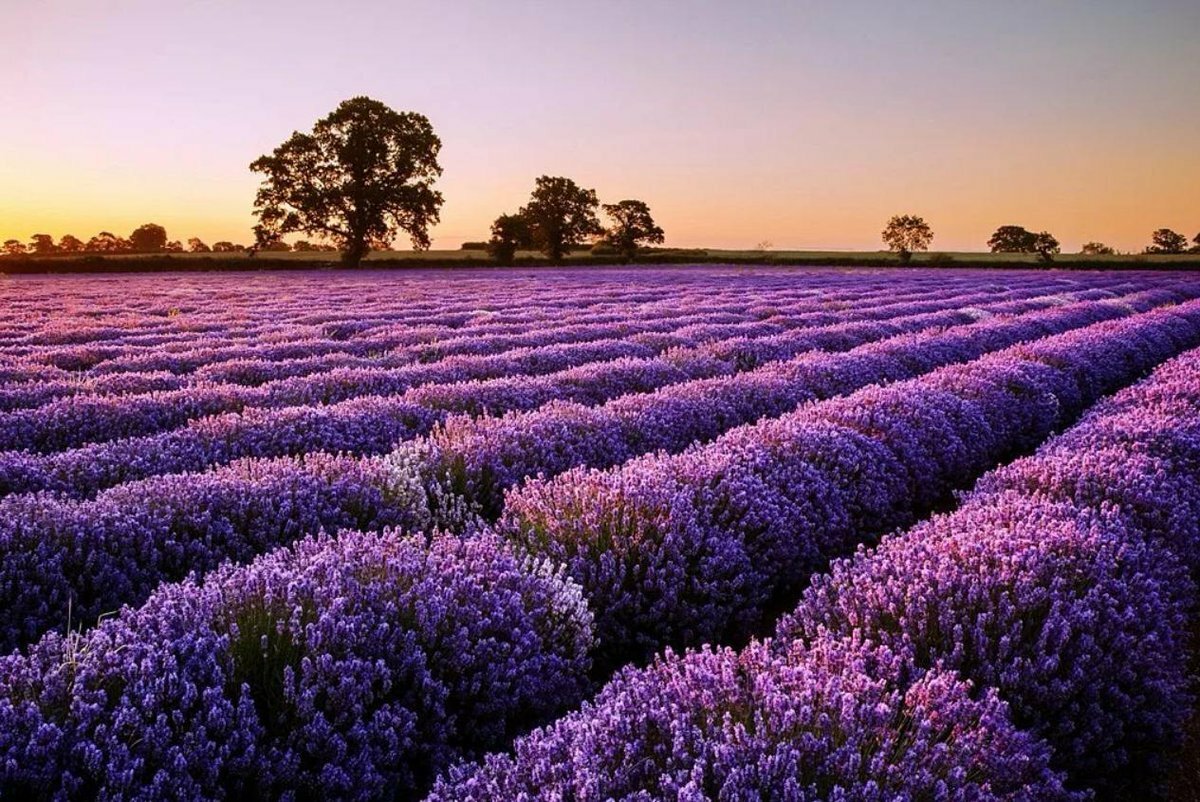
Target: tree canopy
{"type": "Point", "coordinates": [362, 176]}
{"type": "Point", "coordinates": [71, 244]}
{"type": "Point", "coordinates": [1012, 239]}
{"type": "Point", "coordinates": [631, 226]}
{"type": "Point", "coordinates": [560, 214]}
{"type": "Point", "coordinates": [509, 232]}
{"type": "Point", "coordinates": [1045, 246]}
{"type": "Point", "coordinates": [906, 234]}
{"type": "Point", "coordinates": [148, 238]}
{"type": "Point", "coordinates": [1096, 249]}
{"type": "Point", "coordinates": [1164, 240]}
{"type": "Point", "coordinates": [42, 244]}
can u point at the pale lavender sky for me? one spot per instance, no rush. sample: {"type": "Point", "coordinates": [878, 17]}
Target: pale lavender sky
{"type": "Point", "coordinates": [806, 124]}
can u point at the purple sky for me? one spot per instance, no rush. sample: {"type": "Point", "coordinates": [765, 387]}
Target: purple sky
{"type": "Point", "coordinates": [805, 124]}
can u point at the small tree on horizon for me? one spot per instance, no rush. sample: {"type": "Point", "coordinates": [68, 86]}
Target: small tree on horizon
{"type": "Point", "coordinates": [509, 233]}
{"type": "Point", "coordinates": [1164, 240]}
{"type": "Point", "coordinates": [42, 244]}
{"type": "Point", "coordinates": [69, 243]}
{"type": "Point", "coordinates": [148, 238]}
{"type": "Point", "coordinates": [632, 226]}
{"type": "Point", "coordinates": [107, 242]}
{"type": "Point", "coordinates": [14, 247]}
{"type": "Point", "coordinates": [906, 234]}
{"type": "Point", "coordinates": [560, 214]}
{"type": "Point", "coordinates": [1012, 239]}
{"type": "Point", "coordinates": [364, 174]}
{"type": "Point", "coordinates": [1196, 246]}
{"type": "Point", "coordinates": [1096, 249]}
{"type": "Point", "coordinates": [1045, 246]}
{"type": "Point", "coordinates": [196, 245]}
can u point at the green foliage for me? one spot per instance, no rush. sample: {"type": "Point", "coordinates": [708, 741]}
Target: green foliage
{"type": "Point", "coordinates": [560, 214]}
{"type": "Point", "coordinates": [42, 244]}
{"type": "Point", "coordinates": [107, 242]}
{"type": "Point", "coordinates": [304, 246]}
{"type": "Point", "coordinates": [364, 174]}
{"type": "Point", "coordinates": [906, 234]}
{"type": "Point", "coordinates": [150, 238]}
{"type": "Point", "coordinates": [509, 232]}
{"type": "Point", "coordinates": [1012, 239]}
{"type": "Point", "coordinates": [631, 226]}
{"type": "Point", "coordinates": [1164, 240]}
{"type": "Point", "coordinates": [1045, 245]}
{"type": "Point", "coordinates": [71, 244]}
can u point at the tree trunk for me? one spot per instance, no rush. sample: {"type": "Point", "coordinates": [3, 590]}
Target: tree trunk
{"type": "Point", "coordinates": [355, 251]}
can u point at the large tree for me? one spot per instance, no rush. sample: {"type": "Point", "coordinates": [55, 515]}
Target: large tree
{"type": "Point", "coordinates": [13, 247]}
{"type": "Point", "coordinates": [150, 238]}
{"type": "Point", "coordinates": [560, 214]}
{"type": "Point", "coordinates": [362, 176]}
{"type": "Point", "coordinates": [1012, 239]}
{"type": "Point", "coordinates": [1164, 240]}
{"type": "Point", "coordinates": [631, 226]}
{"type": "Point", "coordinates": [907, 233]}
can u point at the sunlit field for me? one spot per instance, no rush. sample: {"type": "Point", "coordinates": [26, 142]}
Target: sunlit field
{"type": "Point", "coordinates": [578, 533]}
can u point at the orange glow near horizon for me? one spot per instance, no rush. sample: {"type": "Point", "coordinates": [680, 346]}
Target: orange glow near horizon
{"type": "Point", "coordinates": [804, 127]}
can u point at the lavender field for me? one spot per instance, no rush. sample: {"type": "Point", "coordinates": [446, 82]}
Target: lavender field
{"type": "Point", "coordinates": [587, 534]}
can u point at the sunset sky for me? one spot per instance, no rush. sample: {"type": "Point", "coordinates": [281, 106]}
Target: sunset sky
{"type": "Point", "coordinates": [805, 124]}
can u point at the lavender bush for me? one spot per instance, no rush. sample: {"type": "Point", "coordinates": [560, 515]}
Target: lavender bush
{"type": "Point", "coordinates": [353, 668]}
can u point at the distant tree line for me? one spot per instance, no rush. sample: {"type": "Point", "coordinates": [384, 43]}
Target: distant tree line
{"type": "Point", "coordinates": [907, 234]}
{"type": "Point", "coordinates": [149, 238]}
{"type": "Point", "coordinates": [561, 215]}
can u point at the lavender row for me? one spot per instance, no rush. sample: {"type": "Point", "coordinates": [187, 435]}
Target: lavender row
{"type": "Point", "coordinates": [480, 459]}
{"type": "Point", "coordinates": [414, 341]}
{"type": "Point", "coordinates": [847, 294]}
{"type": "Point", "coordinates": [943, 664]}
{"type": "Point", "coordinates": [259, 363]}
{"type": "Point", "coordinates": [834, 721]}
{"type": "Point", "coordinates": [194, 522]}
{"type": "Point", "coordinates": [294, 358]}
{"type": "Point", "coordinates": [1065, 582]}
{"type": "Point", "coordinates": [355, 668]}
{"type": "Point", "coordinates": [376, 424]}
{"type": "Point", "coordinates": [74, 421]}
{"type": "Point", "coordinates": [459, 332]}
{"type": "Point", "coordinates": [708, 545]}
